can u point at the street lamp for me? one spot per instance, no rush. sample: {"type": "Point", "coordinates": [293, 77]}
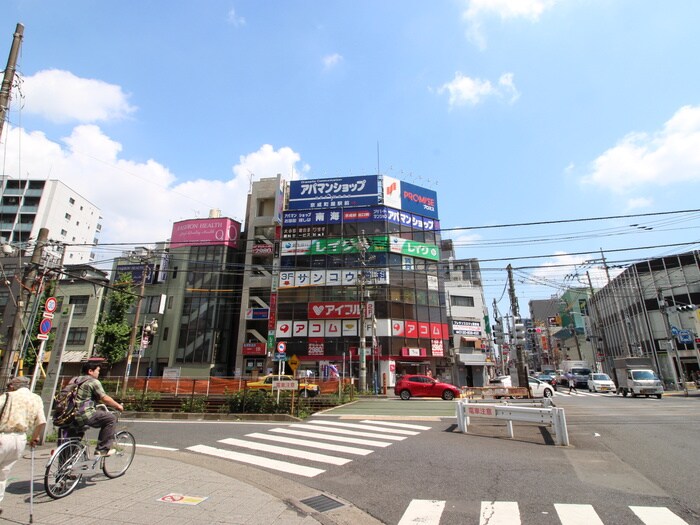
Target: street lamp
{"type": "Point", "coordinates": [149, 331]}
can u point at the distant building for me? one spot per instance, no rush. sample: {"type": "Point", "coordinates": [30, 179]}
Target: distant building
{"type": "Point", "coordinates": [30, 204]}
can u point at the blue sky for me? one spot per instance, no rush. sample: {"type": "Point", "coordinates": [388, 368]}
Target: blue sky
{"type": "Point", "coordinates": [514, 111]}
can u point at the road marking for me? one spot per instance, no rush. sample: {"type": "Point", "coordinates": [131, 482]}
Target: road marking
{"type": "Point", "coordinates": [398, 425]}
{"type": "Point", "coordinates": [499, 513]}
{"type": "Point", "coordinates": [570, 514]}
{"type": "Point", "coordinates": [657, 516]}
{"type": "Point", "coordinates": [155, 447]}
{"type": "Point", "coordinates": [283, 466]}
{"type": "Point", "coordinates": [341, 439]}
{"type": "Point", "coordinates": [364, 427]}
{"type": "Point", "coordinates": [319, 428]}
{"type": "Point", "coordinates": [423, 511]}
{"type": "Point", "coordinates": [285, 451]}
{"type": "Point", "coordinates": [313, 444]}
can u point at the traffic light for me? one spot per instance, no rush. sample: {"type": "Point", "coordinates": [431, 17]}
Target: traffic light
{"type": "Point", "coordinates": [518, 331]}
{"type": "Point", "coordinates": [497, 331]}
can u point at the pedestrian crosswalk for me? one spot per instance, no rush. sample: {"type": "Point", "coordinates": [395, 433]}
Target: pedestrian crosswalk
{"type": "Point", "coordinates": [430, 512]}
{"type": "Point", "coordinates": [296, 448]}
{"type": "Point", "coordinates": [566, 393]}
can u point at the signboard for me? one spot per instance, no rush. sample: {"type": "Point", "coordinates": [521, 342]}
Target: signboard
{"type": "Point", "coordinates": [254, 349]}
{"type": "Point", "coordinates": [409, 197]}
{"type": "Point", "coordinates": [171, 372]}
{"type": "Point", "coordinates": [257, 313]}
{"type": "Point", "coordinates": [338, 192]}
{"type": "Point", "coordinates": [339, 310]}
{"type": "Point", "coordinates": [414, 248]}
{"type": "Point", "coordinates": [281, 347]}
{"type": "Point", "coordinates": [45, 326]}
{"type": "Point", "coordinates": [287, 384]}
{"type": "Point", "coordinates": [50, 305]}
{"type": "Point", "coordinates": [306, 223]}
{"type": "Point", "coordinates": [262, 249]}
{"type": "Point", "coordinates": [205, 232]}
{"type": "Point", "coordinates": [136, 272]}
{"type": "Point", "coordinates": [466, 327]}
{"type": "Point", "coordinates": [685, 336]}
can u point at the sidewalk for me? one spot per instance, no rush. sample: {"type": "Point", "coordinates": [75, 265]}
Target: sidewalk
{"type": "Point", "coordinates": [150, 494]}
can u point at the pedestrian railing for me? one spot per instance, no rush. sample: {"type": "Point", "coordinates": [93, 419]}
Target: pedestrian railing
{"type": "Point", "coordinates": [542, 412]}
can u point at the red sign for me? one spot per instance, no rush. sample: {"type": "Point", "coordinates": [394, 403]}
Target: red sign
{"type": "Point", "coordinates": [315, 348]}
{"type": "Point", "coordinates": [205, 232]}
{"type": "Point", "coordinates": [262, 249]}
{"type": "Point", "coordinates": [338, 310]}
{"type": "Point", "coordinates": [254, 349]}
{"type": "Point", "coordinates": [437, 348]}
{"type": "Point", "coordinates": [412, 329]}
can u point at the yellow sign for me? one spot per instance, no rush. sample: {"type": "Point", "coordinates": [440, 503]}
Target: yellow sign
{"type": "Point", "coordinates": [293, 362]}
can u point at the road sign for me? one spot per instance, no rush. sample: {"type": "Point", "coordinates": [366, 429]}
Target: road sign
{"type": "Point", "coordinates": [286, 384]}
{"type": "Point", "coordinates": [674, 331]}
{"type": "Point", "coordinates": [50, 305]}
{"type": "Point", "coordinates": [45, 326]}
{"type": "Point", "coordinates": [43, 337]}
{"type": "Point", "coordinates": [685, 337]}
{"type": "Point", "coordinates": [281, 347]}
{"type": "Point", "coordinates": [279, 357]}
{"type": "Point", "coordinates": [293, 363]}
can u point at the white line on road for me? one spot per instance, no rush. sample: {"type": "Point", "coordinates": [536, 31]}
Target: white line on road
{"type": "Point", "coordinates": [313, 444]}
{"type": "Point", "coordinates": [364, 427]}
{"type": "Point", "coordinates": [155, 447]}
{"type": "Point", "coordinates": [286, 451]}
{"type": "Point", "coordinates": [317, 428]}
{"type": "Point", "coordinates": [341, 439]}
{"type": "Point", "coordinates": [499, 513]}
{"type": "Point", "coordinates": [570, 514]}
{"type": "Point", "coordinates": [398, 425]}
{"type": "Point", "coordinates": [657, 516]}
{"type": "Point", "coordinates": [283, 466]}
{"type": "Point", "coordinates": [423, 511]}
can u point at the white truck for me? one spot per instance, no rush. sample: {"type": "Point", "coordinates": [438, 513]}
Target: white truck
{"type": "Point", "coordinates": [636, 376]}
{"type": "Point", "coordinates": [579, 369]}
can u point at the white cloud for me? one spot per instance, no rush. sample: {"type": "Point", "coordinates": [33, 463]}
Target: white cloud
{"type": "Point", "coordinates": [330, 61]}
{"type": "Point", "coordinates": [465, 90]}
{"type": "Point", "coordinates": [139, 201]}
{"type": "Point", "coordinates": [668, 156]}
{"type": "Point", "coordinates": [60, 96]}
{"type": "Point", "coordinates": [639, 202]}
{"type": "Point", "coordinates": [234, 19]}
{"type": "Point", "coordinates": [478, 10]}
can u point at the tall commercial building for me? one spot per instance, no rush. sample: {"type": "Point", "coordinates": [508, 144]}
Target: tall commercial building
{"type": "Point", "coordinates": [30, 204]}
{"type": "Point", "coordinates": [348, 250]}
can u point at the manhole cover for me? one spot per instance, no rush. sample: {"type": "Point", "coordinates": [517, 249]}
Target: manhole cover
{"type": "Point", "coordinates": [322, 503]}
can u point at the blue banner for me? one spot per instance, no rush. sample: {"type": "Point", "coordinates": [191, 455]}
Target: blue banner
{"type": "Point", "coordinates": [342, 192]}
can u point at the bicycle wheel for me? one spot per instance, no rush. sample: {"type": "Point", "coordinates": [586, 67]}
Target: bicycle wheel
{"type": "Point", "coordinates": [117, 464]}
{"type": "Point", "coordinates": [59, 478]}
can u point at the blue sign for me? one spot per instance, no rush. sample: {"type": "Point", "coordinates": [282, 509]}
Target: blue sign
{"type": "Point", "coordinates": [685, 336]}
{"type": "Point", "coordinates": [375, 213]}
{"type": "Point", "coordinates": [45, 326]}
{"type": "Point", "coordinates": [418, 200]}
{"type": "Point", "coordinates": [342, 192]}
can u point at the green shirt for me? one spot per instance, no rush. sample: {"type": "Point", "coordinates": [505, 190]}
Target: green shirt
{"type": "Point", "coordinates": [89, 393]}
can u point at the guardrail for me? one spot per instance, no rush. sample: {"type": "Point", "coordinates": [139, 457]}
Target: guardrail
{"type": "Point", "coordinates": [496, 392]}
{"type": "Point", "coordinates": [546, 413]}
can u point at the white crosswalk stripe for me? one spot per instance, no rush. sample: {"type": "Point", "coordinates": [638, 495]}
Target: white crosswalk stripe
{"type": "Point", "coordinates": [423, 511]}
{"type": "Point", "coordinates": [420, 511]}
{"type": "Point", "coordinates": [337, 437]}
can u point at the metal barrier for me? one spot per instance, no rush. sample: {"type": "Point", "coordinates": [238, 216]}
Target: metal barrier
{"type": "Point", "coordinates": [546, 413]}
{"type": "Point", "coordinates": [495, 392]}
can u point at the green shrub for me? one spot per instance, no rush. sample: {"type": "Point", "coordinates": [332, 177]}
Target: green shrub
{"type": "Point", "coordinates": [195, 404]}
{"type": "Point", "coordinates": [140, 401]}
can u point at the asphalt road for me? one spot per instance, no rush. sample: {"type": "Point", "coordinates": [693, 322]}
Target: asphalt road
{"type": "Point", "coordinates": [624, 452]}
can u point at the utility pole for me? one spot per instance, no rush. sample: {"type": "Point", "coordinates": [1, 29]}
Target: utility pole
{"type": "Point", "coordinates": [26, 289]}
{"type": "Point", "coordinates": [362, 245]}
{"type": "Point", "coordinates": [618, 313]}
{"type": "Point", "coordinates": [134, 328]}
{"type": "Point", "coordinates": [600, 332]}
{"type": "Point", "coordinates": [672, 340]}
{"type": "Point", "coordinates": [9, 76]}
{"type": "Point", "coordinates": [520, 364]}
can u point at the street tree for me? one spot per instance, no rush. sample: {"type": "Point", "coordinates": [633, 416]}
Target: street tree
{"type": "Point", "coordinates": [113, 332]}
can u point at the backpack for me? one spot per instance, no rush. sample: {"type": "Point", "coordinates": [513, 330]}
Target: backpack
{"type": "Point", "coordinates": [64, 404]}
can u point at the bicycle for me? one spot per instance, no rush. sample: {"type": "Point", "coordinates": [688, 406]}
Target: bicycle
{"type": "Point", "coordinates": [72, 460]}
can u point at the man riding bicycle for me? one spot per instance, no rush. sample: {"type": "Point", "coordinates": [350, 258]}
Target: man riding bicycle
{"type": "Point", "coordinates": [89, 393]}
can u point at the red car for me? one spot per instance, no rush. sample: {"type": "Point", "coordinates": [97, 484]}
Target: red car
{"type": "Point", "coordinates": [423, 386]}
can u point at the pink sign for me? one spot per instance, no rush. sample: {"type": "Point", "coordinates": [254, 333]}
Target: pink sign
{"type": "Point", "coordinates": [205, 232]}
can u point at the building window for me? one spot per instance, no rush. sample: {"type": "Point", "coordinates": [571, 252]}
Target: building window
{"type": "Point", "coordinates": [80, 302]}
{"type": "Point", "coordinates": [461, 300]}
{"type": "Point", "coordinates": [68, 216]}
{"type": "Point", "coordinates": [71, 200]}
{"type": "Point", "coordinates": [64, 233]}
{"type": "Point", "coordinates": [77, 336]}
